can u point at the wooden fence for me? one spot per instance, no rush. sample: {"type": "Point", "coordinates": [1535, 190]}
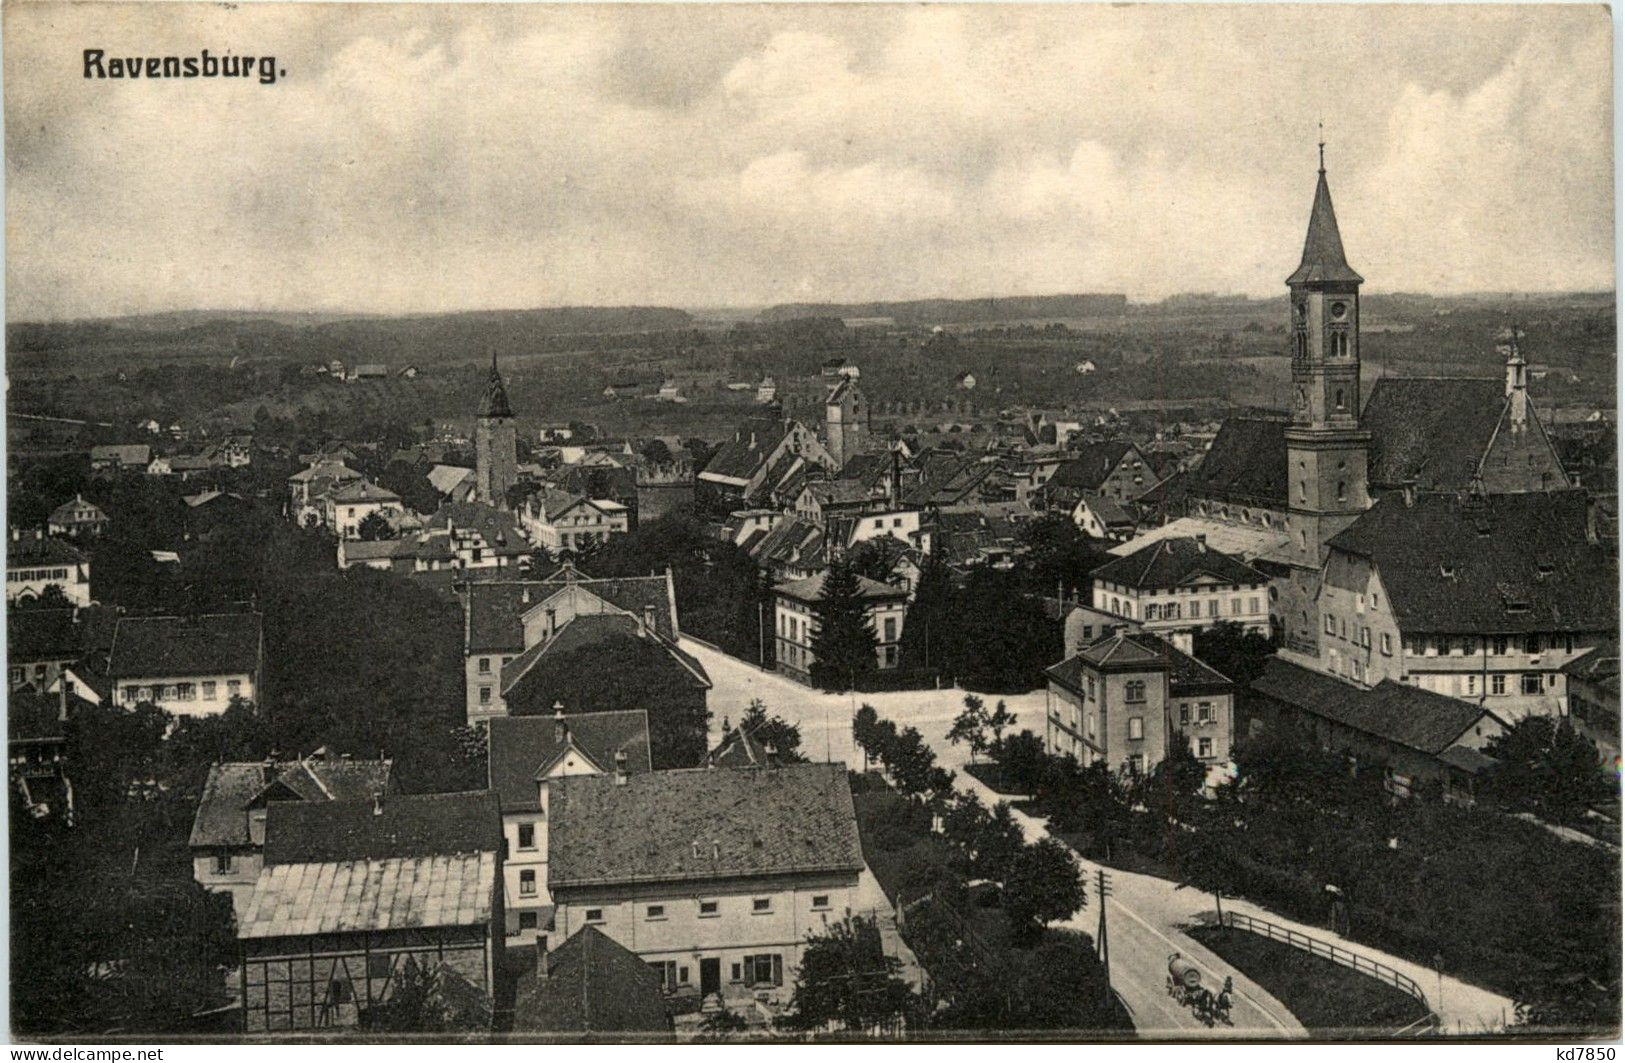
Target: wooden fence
{"type": "Point", "coordinates": [1343, 958]}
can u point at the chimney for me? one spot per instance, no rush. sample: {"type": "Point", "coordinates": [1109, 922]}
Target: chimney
{"type": "Point", "coordinates": [378, 802]}
{"type": "Point", "coordinates": [1201, 544]}
{"type": "Point", "coordinates": [560, 730]}
{"type": "Point", "coordinates": [524, 595]}
{"type": "Point", "coordinates": [268, 770]}
{"type": "Point", "coordinates": [620, 767]}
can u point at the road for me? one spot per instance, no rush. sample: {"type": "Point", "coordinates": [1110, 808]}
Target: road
{"type": "Point", "coordinates": [1146, 914]}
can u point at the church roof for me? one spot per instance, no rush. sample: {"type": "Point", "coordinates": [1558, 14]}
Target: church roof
{"type": "Point", "coordinates": [1429, 431]}
{"type": "Point", "coordinates": [1245, 464]}
{"type": "Point", "coordinates": [1323, 259]}
{"type": "Point", "coordinates": [495, 402]}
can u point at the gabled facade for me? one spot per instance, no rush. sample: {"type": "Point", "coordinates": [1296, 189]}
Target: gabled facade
{"type": "Point", "coordinates": [1175, 587]}
{"type": "Point", "coordinates": [35, 562]}
{"type": "Point", "coordinates": [559, 521]}
{"type": "Point", "coordinates": [189, 666]}
{"type": "Point", "coordinates": [76, 518]}
{"type": "Point", "coordinates": [767, 460]}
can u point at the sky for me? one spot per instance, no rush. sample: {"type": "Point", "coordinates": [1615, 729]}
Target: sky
{"type": "Point", "coordinates": [419, 159]}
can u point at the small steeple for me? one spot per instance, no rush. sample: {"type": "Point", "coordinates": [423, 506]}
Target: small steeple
{"type": "Point", "coordinates": [495, 402]}
{"type": "Point", "coordinates": [1323, 260]}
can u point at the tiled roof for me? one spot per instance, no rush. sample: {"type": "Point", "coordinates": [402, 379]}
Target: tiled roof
{"type": "Point", "coordinates": [1128, 650]}
{"type": "Point", "coordinates": [593, 985]}
{"type": "Point", "coordinates": [1093, 463]}
{"type": "Point", "coordinates": [363, 491]}
{"type": "Point", "coordinates": [1493, 564]}
{"type": "Point", "coordinates": [1599, 666]}
{"type": "Point", "coordinates": [445, 478]}
{"type": "Point", "coordinates": [42, 550]}
{"type": "Point", "coordinates": [522, 748]}
{"type": "Point", "coordinates": [1395, 712]}
{"type": "Point", "coordinates": [233, 788]}
{"type": "Point", "coordinates": [1108, 509]}
{"type": "Point", "coordinates": [740, 457]}
{"type": "Point", "coordinates": [42, 635]}
{"type": "Point", "coordinates": [787, 542]}
{"type": "Point", "coordinates": [494, 403]}
{"type": "Point", "coordinates": [496, 609]}
{"type": "Point", "coordinates": [619, 634]}
{"type": "Point", "coordinates": [738, 749]}
{"type": "Point", "coordinates": [1246, 463]}
{"type": "Point", "coordinates": [811, 589]}
{"type": "Point", "coordinates": [1434, 432]}
{"type": "Point", "coordinates": [703, 823]}
{"type": "Point", "coordinates": [67, 512]}
{"type": "Point", "coordinates": [1174, 562]}
{"type": "Point", "coordinates": [311, 832]}
{"type": "Point", "coordinates": [171, 646]}
{"type": "Point", "coordinates": [838, 492]}
{"type": "Point", "coordinates": [32, 717]}
{"type": "Point", "coordinates": [497, 527]}
{"type": "Point", "coordinates": [390, 893]}
{"type": "Point", "coordinates": [325, 470]}
{"type": "Point", "coordinates": [1323, 259]}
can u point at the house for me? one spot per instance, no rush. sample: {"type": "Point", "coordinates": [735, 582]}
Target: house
{"type": "Point", "coordinates": [1103, 517]}
{"type": "Point", "coordinates": [766, 391]}
{"type": "Point", "coordinates": [950, 480]}
{"type": "Point", "coordinates": [1084, 368]}
{"type": "Point", "coordinates": [714, 876]}
{"type": "Point", "coordinates": [189, 666]}
{"type": "Point", "coordinates": [591, 986]}
{"type": "Point", "coordinates": [559, 520]}
{"type": "Point", "coordinates": [767, 460]}
{"type": "Point", "coordinates": [1083, 626]}
{"type": "Point", "coordinates": [1484, 597]}
{"type": "Point", "coordinates": [672, 685]}
{"type": "Point", "coordinates": [160, 466]}
{"type": "Point", "coordinates": [370, 371]}
{"type": "Point", "coordinates": [350, 891]}
{"type": "Point", "coordinates": [228, 830]}
{"type": "Point", "coordinates": [1127, 698]}
{"type": "Point", "coordinates": [347, 506]}
{"type": "Point", "coordinates": [524, 753]}
{"type": "Point", "coordinates": [309, 487]}
{"type": "Point", "coordinates": [504, 618]}
{"type": "Point", "coordinates": [77, 518]}
{"type": "Point", "coordinates": [1593, 697]}
{"type": "Point", "coordinates": [122, 457]}
{"type": "Point", "coordinates": [1413, 734]}
{"type": "Point", "coordinates": [822, 499]}
{"type": "Point", "coordinates": [35, 562]}
{"type": "Point", "coordinates": [480, 536]}
{"type": "Point", "coordinates": [795, 623]}
{"type": "Point", "coordinates": [40, 645]}
{"type": "Point", "coordinates": [790, 549]}
{"type": "Point", "coordinates": [409, 372]}
{"type": "Point", "coordinates": [670, 391]}
{"type": "Point", "coordinates": [335, 368]}
{"type": "Point", "coordinates": [454, 481]}
{"type": "Point", "coordinates": [1115, 469]}
{"type": "Point", "coordinates": [37, 753]}
{"type": "Point", "coordinates": [1175, 587]}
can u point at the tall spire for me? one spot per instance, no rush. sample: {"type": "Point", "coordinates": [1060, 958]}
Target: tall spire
{"type": "Point", "coordinates": [495, 402]}
{"type": "Point", "coordinates": [1323, 259]}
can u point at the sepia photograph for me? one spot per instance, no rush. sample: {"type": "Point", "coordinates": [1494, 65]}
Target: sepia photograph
{"type": "Point", "coordinates": [768, 523]}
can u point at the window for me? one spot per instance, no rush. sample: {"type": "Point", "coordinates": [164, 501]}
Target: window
{"type": "Point", "coordinates": [1498, 683]}
{"type": "Point", "coordinates": [736, 976]}
{"type": "Point", "coordinates": [595, 915]}
{"type": "Point", "coordinates": [1342, 490]}
{"type": "Point", "coordinates": [1134, 690]}
{"type": "Point", "coordinates": [1184, 714]}
{"type": "Point", "coordinates": [209, 688]}
{"type": "Point", "coordinates": [1205, 712]}
{"type": "Point", "coordinates": [1472, 684]}
{"type": "Point", "coordinates": [1091, 725]}
{"type": "Point", "coordinates": [1531, 643]}
{"type": "Point", "coordinates": [222, 863]}
{"type": "Point", "coordinates": [1568, 643]}
{"type": "Point", "coordinates": [1235, 607]}
{"type": "Point", "coordinates": [1253, 606]}
{"type": "Point", "coordinates": [527, 883]}
{"type": "Point", "coordinates": [527, 920]}
{"type": "Point", "coordinates": [820, 901]}
{"type": "Point", "coordinates": [1530, 683]}
{"type": "Point", "coordinates": [667, 969]}
{"type": "Point", "coordinates": [1213, 607]}
{"type": "Point", "coordinates": [1331, 624]}
{"type": "Point", "coordinates": [131, 694]}
{"type": "Point", "coordinates": [761, 904]}
{"type": "Point", "coordinates": [1365, 637]}
{"type": "Point", "coordinates": [1303, 491]}
{"type": "Point", "coordinates": [527, 835]}
{"type": "Point", "coordinates": [889, 630]}
{"type": "Point", "coordinates": [766, 969]}
{"type": "Point", "coordinates": [378, 964]}
{"type": "Point", "coordinates": [485, 666]}
{"type": "Point", "coordinates": [1089, 687]}
{"type": "Point", "coordinates": [234, 687]}
{"type": "Point", "coordinates": [185, 692]}
{"type": "Point", "coordinates": [1171, 611]}
{"type": "Point", "coordinates": [655, 911]}
{"type": "Point", "coordinates": [1136, 728]}
{"type": "Point", "coordinates": [1204, 747]}
{"type": "Point", "coordinates": [708, 909]}
{"type": "Point", "coordinates": [1136, 764]}
{"type": "Point", "coordinates": [1152, 610]}
{"type": "Point", "coordinates": [485, 695]}
{"type": "Point", "coordinates": [1387, 644]}
{"type": "Point", "coordinates": [1338, 396]}
{"type": "Point", "coordinates": [1499, 646]}
{"type": "Point", "coordinates": [339, 991]}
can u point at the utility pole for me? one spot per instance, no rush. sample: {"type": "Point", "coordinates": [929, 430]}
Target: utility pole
{"type": "Point", "coordinates": [1104, 887]}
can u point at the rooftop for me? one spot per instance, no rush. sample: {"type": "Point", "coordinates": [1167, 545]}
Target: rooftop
{"type": "Point", "coordinates": [811, 589]}
{"type": "Point", "coordinates": [420, 825]}
{"type": "Point", "coordinates": [1177, 562]}
{"type": "Point", "coordinates": [524, 748]}
{"type": "Point", "coordinates": [233, 788]}
{"type": "Point", "coordinates": [177, 647]}
{"type": "Point", "coordinates": [389, 893]}
{"type": "Point", "coordinates": [593, 985]}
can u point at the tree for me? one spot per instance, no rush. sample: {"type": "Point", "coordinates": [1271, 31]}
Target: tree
{"type": "Point", "coordinates": [417, 1005]}
{"type": "Point", "coordinates": [774, 731]}
{"type": "Point", "coordinates": [51, 597]}
{"type": "Point", "coordinates": [1207, 863]}
{"type": "Point", "coordinates": [864, 722]}
{"type": "Point", "coordinates": [1237, 653]}
{"type": "Point", "coordinates": [844, 645]}
{"type": "Point", "coordinates": [970, 726]}
{"type": "Point", "coordinates": [655, 452]}
{"type": "Point", "coordinates": [998, 844]}
{"type": "Point", "coordinates": [1023, 758]}
{"type": "Point", "coordinates": [1172, 787]}
{"type": "Point", "coordinates": [1547, 767]}
{"type": "Point", "coordinates": [374, 527]}
{"type": "Point", "coordinates": [1042, 887]}
{"type": "Point", "coordinates": [846, 981]}
{"type": "Point", "coordinates": [878, 559]}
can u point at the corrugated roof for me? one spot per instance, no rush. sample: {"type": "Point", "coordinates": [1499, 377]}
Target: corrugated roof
{"type": "Point", "coordinates": [174, 647]}
{"type": "Point", "coordinates": [392, 893]}
{"type": "Point", "coordinates": [523, 747]}
{"type": "Point", "coordinates": [1394, 712]}
{"type": "Point", "coordinates": [698, 824]}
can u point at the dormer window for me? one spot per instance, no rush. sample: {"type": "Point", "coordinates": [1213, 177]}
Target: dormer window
{"type": "Point", "coordinates": [1447, 570]}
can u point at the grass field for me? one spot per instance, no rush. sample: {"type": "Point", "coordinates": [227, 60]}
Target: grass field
{"type": "Point", "coordinates": [1330, 1000]}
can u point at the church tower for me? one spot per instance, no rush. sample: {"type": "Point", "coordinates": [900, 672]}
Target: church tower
{"type": "Point", "coordinates": [495, 449]}
{"type": "Point", "coordinates": [1326, 450]}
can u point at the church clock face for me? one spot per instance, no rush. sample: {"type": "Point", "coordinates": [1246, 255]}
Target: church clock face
{"type": "Point", "coordinates": [1340, 311]}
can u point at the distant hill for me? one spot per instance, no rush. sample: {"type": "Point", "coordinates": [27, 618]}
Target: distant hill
{"type": "Point", "coordinates": [105, 344]}
{"type": "Point", "coordinates": [961, 311]}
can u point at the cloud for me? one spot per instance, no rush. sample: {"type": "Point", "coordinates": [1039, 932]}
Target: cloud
{"type": "Point", "coordinates": [434, 158]}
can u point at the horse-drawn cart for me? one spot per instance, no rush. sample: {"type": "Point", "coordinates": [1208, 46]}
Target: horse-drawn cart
{"type": "Point", "coordinates": [1185, 986]}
